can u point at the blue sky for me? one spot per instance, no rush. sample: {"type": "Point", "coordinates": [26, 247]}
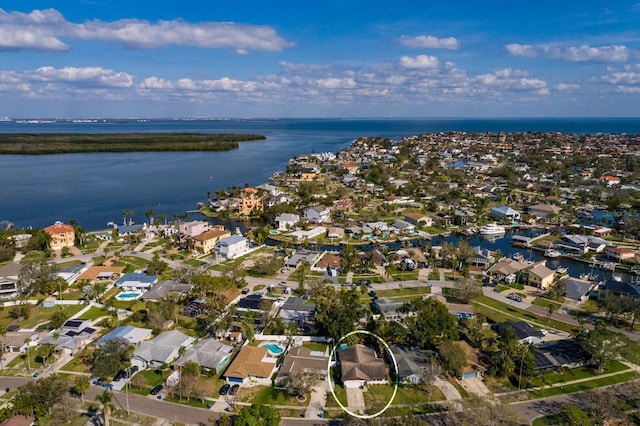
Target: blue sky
{"type": "Point", "coordinates": [347, 58]}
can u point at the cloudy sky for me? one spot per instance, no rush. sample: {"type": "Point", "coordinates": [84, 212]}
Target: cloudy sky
{"type": "Point", "coordinates": [322, 58]}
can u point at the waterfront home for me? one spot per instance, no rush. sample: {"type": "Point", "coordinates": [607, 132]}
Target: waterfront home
{"type": "Point", "coordinates": [126, 230]}
{"type": "Point", "coordinates": [286, 221]}
{"type": "Point", "coordinates": [162, 349]}
{"type": "Point", "coordinates": [309, 173]}
{"type": "Point", "coordinates": [418, 218]}
{"type": "Point", "coordinates": [62, 235]}
{"type": "Point", "coordinates": [335, 233]}
{"type": "Point", "coordinates": [193, 228]}
{"type": "Point", "coordinates": [270, 189]}
{"type": "Point", "coordinates": [538, 275]}
{"type": "Point", "coordinates": [580, 244]}
{"type": "Point", "coordinates": [317, 214]}
{"type": "Point", "coordinates": [209, 354]}
{"type": "Point", "coordinates": [302, 256]}
{"type": "Point", "coordinates": [505, 267]}
{"type": "Point", "coordinates": [301, 360]}
{"type": "Point", "coordinates": [401, 227]}
{"type": "Point", "coordinates": [618, 288]}
{"type": "Point", "coordinates": [131, 334]}
{"type": "Point", "coordinates": [232, 247]}
{"type": "Point", "coordinates": [136, 282]}
{"type": "Point", "coordinates": [507, 212]}
{"type": "Point", "coordinates": [301, 235]}
{"type": "Point", "coordinates": [523, 330]}
{"type": "Point", "coordinates": [360, 366]}
{"type": "Point", "coordinates": [206, 241]}
{"type": "Point", "coordinates": [543, 211]}
{"type": "Point", "coordinates": [250, 203]}
{"type": "Point", "coordinates": [252, 364]}
{"type": "Point", "coordinates": [619, 254]}
{"type": "Point", "coordinates": [482, 257]}
{"type": "Point", "coordinates": [577, 288]}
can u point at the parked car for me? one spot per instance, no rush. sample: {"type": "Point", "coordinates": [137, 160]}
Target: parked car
{"type": "Point", "coordinates": [224, 389]}
{"type": "Point", "coordinates": [133, 370]}
{"type": "Point", "coordinates": [234, 389]}
{"type": "Point", "coordinates": [245, 290]}
{"type": "Point", "coordinates": [514, 297]}
{"type": "Point", "coordinates": [156, 389]}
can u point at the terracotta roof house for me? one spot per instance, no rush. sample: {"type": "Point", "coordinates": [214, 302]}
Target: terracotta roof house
{"type": "Point", "coordinates": [252, 363]}
{"type": "Point", "coordinates": [101, 273]}
{"type": "Point", "coordinates": [609, 180]}
{"type": "Point", "coordinates": [206, 241]}
{"type": "Point", "coordinates": [62, 235]}
{"type": "Point", "coordinates": [360, 365]}
{"type": "Point", "coordinates": [302, 360]}
{"type": "Point", "coordinates": [250, 203]}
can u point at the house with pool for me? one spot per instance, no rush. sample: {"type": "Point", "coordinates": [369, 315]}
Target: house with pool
{"type": "Point", "coordinates": [134, 285]}
{"type": "Point", "coordinates": [253, 364]}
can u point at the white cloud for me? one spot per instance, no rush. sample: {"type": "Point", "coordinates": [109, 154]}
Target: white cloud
{"type": "Point", "coordinates": [583, 53]}
{"type": "Point", "coordinates": [87, 75]}
{"type": "Point", "coordinates": [42, 29]}
{"type": "Point", "coordinates": [419, 62]}
{"type": "Point", "coordinates": [430, 42]}
{"type": "Point", "coordinates": [566, 87]}
{"type": "Point", "coordinates": [512, 80]}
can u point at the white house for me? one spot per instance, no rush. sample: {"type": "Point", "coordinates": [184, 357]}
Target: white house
{"type": "Point", "coordinates": [286, 221]}
{"type": "Point", "coordinates": [505, 212]}
{"type": "Point", "coordinates": [232, 247]}
{"type": "Point", "coordinates": [317, 214]}
{"type": "Point", "coordinates": [193, 228]}
{"type": "Point", "coordinates": [136, 282]}
{"type": "Point", "coordinates": [163, 349]}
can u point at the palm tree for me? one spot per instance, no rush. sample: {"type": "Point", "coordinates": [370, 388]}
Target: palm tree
{"type": "Point", "coordinates": [105, 400]}
{"type": "Point", "coordinates": [3, 332]}
{"type": "Point", "coordinates": [149, 214]}
{"type": "Point", "coordinates": [81, 385]}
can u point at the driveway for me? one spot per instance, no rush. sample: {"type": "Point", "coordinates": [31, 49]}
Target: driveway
{"type": "Point", "coordinates": [450, 392]}
{"type": "Point", "coordinates": [355, 400]}
{"type": "Point", "coordinates": [317, 400]}
{"type": "Point", "coordinates": [475, 386]}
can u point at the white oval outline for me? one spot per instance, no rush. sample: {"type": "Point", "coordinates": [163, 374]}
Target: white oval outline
{"type": "Point", "coordinates": [395, 366]}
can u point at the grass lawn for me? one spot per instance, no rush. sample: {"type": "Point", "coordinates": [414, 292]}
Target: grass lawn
{"type": "Point", "coordinates": [576, 374]}
{"type": "Point", "coordinates": [137, 262]}
{"type": "Point", "coordinates": [72, 294]}
{"type": "Point", "coordinates": [269, 395]}
{"type": "Point", "coordinates": [90, 247]}
{"type": "Point", "coordinates": [192, 402]}
{"type": "Point", "coordinates": [68, 264]}
{"type": "Point", "coordinates": [408, 291]}
{"type": "Point", "coordinates": [340, 393]}
{"type": "Point", "coordinates": [194, 262]}
{"type": "Point", "coordinates": [404, 275]}
{"type": "Point", "coordinates": [555, 419]}
{"type": "Point", "coordinates": [377, 396]}
{"type": "Point", "coordinates": [544, 303]}
{"type": "Point", "coordinates": [315, 346]}
{"type": "Point", "coordinates": [582, 386]}
{"type": "Point", "coordinates": [76, 365]}
{"type": "Point", "coordinates": [95, 313]}
{"type": "Point", "coordinates": [154, 377]}
{"type": "Point", "coordinates": [40, 315]}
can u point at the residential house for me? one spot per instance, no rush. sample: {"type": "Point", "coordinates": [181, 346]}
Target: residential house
{"type": "Point", "coordinates": [232, 247]}
{"type": "Point", "coordinates": [62, 235]}
{"type": "Point", "coordinates": [160, 350]}
{"type": "Point", "coordinates": [136, 282]}
{"type": "Point", "coordinates": [360, 366]}
{"type": "Point", "coordinates": [418, 218]}
{"type": "Point", "coordinates": [538, 275]}
{"type": "Point", "coordinates": [577, 288]}
{"type": "Point", "coordinates": [474, 367]}
{"type": "Point", "coordinates": [317, 214]}
{"type": "Point", "coordinates": [163, 288]}
{"type": "Point", "coordinates": [335, 233]}
{"type": "Point", "coordinates": [505, 212]}
{"type": "Point", "coordinates": [299, 311]}
{"type": "Point", "coordinates": [560, 354]}
{"type": "Point", "coordinates": [131, 334]}
{"type": "Point", "coordinates": [410, 361]}
{"type": "Point", "coordinates": [209, 354]}
{"type": "Point", "coordinates": [206, 242]}
{"type": "Point", "coordinates": [250, 203]}
{"type": "Point", "coordinates": [302, 256]}
{"type": "Point", "coordinates": [270, 189]}
{"type": "Point", "coordinates": [286, 221]}
{"type": "Point", "coordinates": [101, 273]}
{"type": "Point", "coordinates": [618, 288]}
{"type": "Point", "coordinates": [390, 309]}
{"type": "Point", "coordinates": [402, 227]}
{"type": "Point", "coordinates": [523, 330]}
{"type": "Point", "coordinates": [351, 168]}
{"type": "Point", "coordinates": [301, 235]}
{"type": "Point", "coordinates": [72, 337]}
{"type": "Point", "coordinates": [543, 211]}
{"type": "Point", "coordinates": [9, 275]}
{"type": "Point", "coordinates": [252, 364]}
{"type": "Point", "coordinates": [482, 257]}
{"type": "Point", "coordinates": [619, 254]}
{"type": "Point", "coordinates": [609, 180]}
{"type": "Point", "coordinates": [505, 267]}
{"type": "Point", "coordinates": [309, 173]}
{"type": "Point", "coordinates": [301, 360]}
{"type": "Point", "coordinates": [193, 228]}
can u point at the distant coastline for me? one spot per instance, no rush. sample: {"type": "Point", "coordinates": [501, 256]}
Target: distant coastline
{"type": "Point", "coordinates": [65, 143]}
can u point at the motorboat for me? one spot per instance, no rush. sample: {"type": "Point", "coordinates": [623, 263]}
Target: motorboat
{"type": "Point", "coordinates": [492, 229]}
{"type": "Point", "coordinates": [561, 270]}
{"type": "Point", "coordinates": [551, 253]}
{"type": "Point", "coordinates": [517, 256]}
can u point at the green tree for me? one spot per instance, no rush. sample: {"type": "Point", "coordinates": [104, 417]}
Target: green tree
{"type": "Point", "coordinates": [36, 398]}
{"type": "Point", "coordinates": [432, 322]}
{"type": "Point", "coordinates": [601, 344]}
{"type": "Point", "coordinates": [44, 351]}
{"type": "Point", "coordinates": [336, 316]}
{"type": "Point", "coordinates": [257, 415]}
{"type": "Point", "coordinates": [114, 355]}
{"type": "Point", "coordinates": [81, 385]}
{"type": "Point", "coordinates": [58, 318]}
{"type": "Point", "coordinates": [156, 266]}
{"type": "Point", "coordinates": [105, 401]}
{"type": "Point", "coordinates": [453, 357]}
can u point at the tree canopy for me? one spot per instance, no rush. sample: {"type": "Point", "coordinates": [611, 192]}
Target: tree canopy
{"type": "Point", "coordinates": [432, 322]}
{"type": "Point", "coordinates": [257, 415]}
{"type": "Point", "coordinates": [335, 317]}
{"type": "Point", "coordinates": [113, 356]}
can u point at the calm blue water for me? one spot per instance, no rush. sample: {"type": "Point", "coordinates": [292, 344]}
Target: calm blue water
{"type": "Point", "coordinates": [273, 348]}
{"type": "Point", "coordinates": [96, 188]}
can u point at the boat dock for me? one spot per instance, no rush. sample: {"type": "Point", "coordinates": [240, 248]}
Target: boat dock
{"type": "Point", "coordinates": [522, 241]}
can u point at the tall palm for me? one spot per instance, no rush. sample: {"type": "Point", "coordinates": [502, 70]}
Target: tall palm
{"type": "Point", "coordinates": [149, 214]}
{"type": "Point", "coordinates": [3, 333]}
{"type": "Point", "coordinates": [105, 399]}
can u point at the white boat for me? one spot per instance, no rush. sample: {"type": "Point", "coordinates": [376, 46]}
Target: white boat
{"type": "Point", "coordinates": [517, 256]}
{"type": "Point", "coordinates": [617, 278]}
{"type": "Point", "coordinates": [561, 270]}
{"type": "Point", "coordinates": [492, 229]}
{"type": "Point", "coordinates": [553, 254]}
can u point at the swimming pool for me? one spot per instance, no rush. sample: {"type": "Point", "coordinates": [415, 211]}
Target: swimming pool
{"type": "Point", "coordinates": [273, 348]}
{"type": "Point", "coordinates": [274, 232]}
{"type": "Point", "coordinates": [130, 295]}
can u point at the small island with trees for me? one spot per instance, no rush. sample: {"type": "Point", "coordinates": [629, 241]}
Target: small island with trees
{"type": "Point", "coordinates": [65, 143]}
